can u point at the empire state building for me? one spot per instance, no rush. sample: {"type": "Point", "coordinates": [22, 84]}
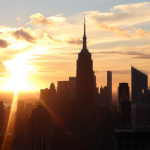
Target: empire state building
{"type": "Point", "coordinates": [86, 88]}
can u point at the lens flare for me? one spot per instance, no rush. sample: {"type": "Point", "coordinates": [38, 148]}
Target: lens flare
{"type": "Point", "coordinates": [10, 125]}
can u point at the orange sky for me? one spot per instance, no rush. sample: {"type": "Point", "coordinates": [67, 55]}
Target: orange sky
{"type": "Point", "coordinates": [45, 49]}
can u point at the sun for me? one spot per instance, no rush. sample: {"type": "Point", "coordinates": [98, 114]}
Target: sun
{"type": "Point", "coordinates": [19, 73]}
{"type": "Point", "coordinates": [19, 78]}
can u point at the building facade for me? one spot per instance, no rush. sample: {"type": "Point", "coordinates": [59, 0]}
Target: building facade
{"type": "Point", "coordinates": [136, 139]}
{"type": "Point", "coordinates": [40, 129]}
{"type": "Point", "coordinates": [140, 115]}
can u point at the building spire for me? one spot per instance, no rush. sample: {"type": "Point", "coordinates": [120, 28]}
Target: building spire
{"type": "Point", "coordinates": [84, 27]}
{"type": "Point", "coordinates": [84, 39]}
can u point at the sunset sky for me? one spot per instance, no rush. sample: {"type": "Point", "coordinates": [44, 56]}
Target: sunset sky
{"type": "Point", "coordinates": [40, 40]}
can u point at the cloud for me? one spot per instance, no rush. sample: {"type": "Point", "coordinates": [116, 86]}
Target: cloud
{"type": "Point", "coordinates": [118, 31]}
{"type": "Point", "coordinates": [39, 19]}
{"type": "Point", "coordinates": [120, 15]}
{"type": "Point", "coordinates": [3, 43]}
{"type": "Point", "coordinates": [142, 33]}
{"type": "Point", "coordinates": [23, 34]}
{"type": "Point", "coordinates": [18, 18]}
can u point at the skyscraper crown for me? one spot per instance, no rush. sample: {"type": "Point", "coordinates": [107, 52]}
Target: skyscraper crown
{"type": "Point", "coordinates": [84, 50]}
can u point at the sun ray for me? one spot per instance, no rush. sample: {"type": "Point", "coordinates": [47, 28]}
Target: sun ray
{"type": "Point", "coordinates": [14, 105]}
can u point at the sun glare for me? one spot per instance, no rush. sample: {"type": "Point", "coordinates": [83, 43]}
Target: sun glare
{"type": "Point", "coordinates": [18, 45]}
{"type": "Point", "coordinates": [19, 71]}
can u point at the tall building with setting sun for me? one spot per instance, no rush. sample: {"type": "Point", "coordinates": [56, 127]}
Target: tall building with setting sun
{"type": "Point", "coordinates": [85, 87]}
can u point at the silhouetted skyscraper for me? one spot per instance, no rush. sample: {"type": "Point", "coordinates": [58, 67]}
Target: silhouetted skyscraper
{"type": "Point", "coordinates": [66, 92]}
{"type": "Point", "coordinates": [140, 115]}
{"type": "Point", "coordinates": [72, 88]}
{"type": "Point", "coordinates": [125, 113]}
{"type": "Point", "coordinates": [40, 129]}
{"type": "Point", "coordinates": [136, 139]}
{"type": "Point", "coordinates": [62, 95]}
{"type": "Point", "coordinates": [44, 96]}
{"type": "Point", "coordinates": [29, 107]}
{"type": "Point", "coordinates": [2, 117]}
{"type": "Point", "coordinates": [100, 118]}
{"type": "Point", "coordinates": [48, 98]}
{"type": "Point", "coordinates": [86, 87]}
{"type": "Point", "coordinates": [63, 90]}
{"type": "Point", "coordinates": [20, 119]}
{"type": "Point", "coordinates": [149, 96]}
{"type": "Point", "coordinates": [109, 89]}
{"type": "Point", "coordinates": [103, 95]}
{"type": "Point", "coordinates": [52, 99]}
{"type": "Point", "coordinates": [109, 121]}
{"type": "Point", "coordinates": [7, 114]}
{"type": "Point", "coordinates": [139, 87]}
{"type": "Point", "coordinates": [123, 93]}
{"type": "Point", "coordinates": [124, 105]}
{"type": "Point", "coordinates": [20, 123]}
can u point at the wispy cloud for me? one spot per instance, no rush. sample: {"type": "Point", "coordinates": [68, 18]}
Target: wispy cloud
{"type": "Point", "coordinates": [69, 41]}
{"type": "Point", "coordinates": [72, 41]}
{"type": "Point", "coordinates": [23, 34]}
{"type": "Point", "coordinates": [115, 71]}
{"type": "Point", "coordinates": [120, 71]}
{"type": "Point", "coordinates": [44, 71]}
{"type": "Point", "coordinates": [3, 43]}
{"type": "Point", "coordinates": [139, 52]}
{"type": "Point", "coordinates": [118, 31]}
{"type": "Point", "coordinates": [142, 33]}
{"type": "Point", "coordinates": [134, 55]}
{"type": "Point", "coordinates": [52, 39]}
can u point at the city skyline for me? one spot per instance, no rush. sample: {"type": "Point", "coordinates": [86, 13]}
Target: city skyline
{"type": "Point", "coordinates": [74, 75]}
{"type": "Point", "coordinates": [41, 47]}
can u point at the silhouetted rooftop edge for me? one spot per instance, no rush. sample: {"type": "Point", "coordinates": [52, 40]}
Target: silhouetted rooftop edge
{"type": "Point", "coordinates": [52, 86]}
{"type": "Point", "coordinates": [139, 70]}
